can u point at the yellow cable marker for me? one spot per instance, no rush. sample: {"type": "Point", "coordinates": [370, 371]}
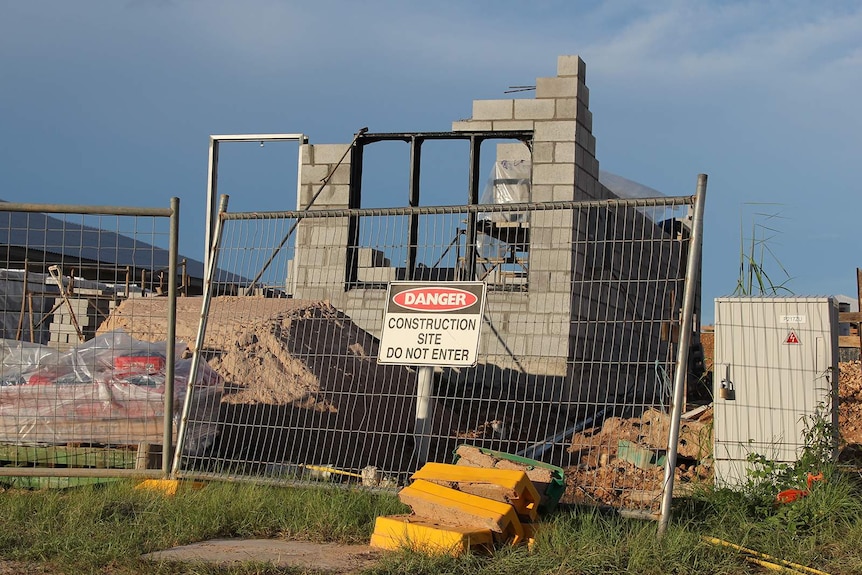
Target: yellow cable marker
{"type": "Point", "coordinates": [782, 562]}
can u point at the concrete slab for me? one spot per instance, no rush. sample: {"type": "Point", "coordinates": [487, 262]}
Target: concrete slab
{"type": "Point", "coordinates": [323, 556]}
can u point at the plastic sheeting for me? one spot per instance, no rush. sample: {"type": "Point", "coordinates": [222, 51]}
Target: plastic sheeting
{"type": "Point", "coordinates": [109, 390]}
{"type": "Point", "coordinates": [508, 183]}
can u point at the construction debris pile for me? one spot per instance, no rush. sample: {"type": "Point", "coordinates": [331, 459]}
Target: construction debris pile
{"type": "Point", "coordinates": [621, 463]}
{"type": "Point", "coordinates": [472, 505]}
{"type": "Point", "coordinates": [850, 402]}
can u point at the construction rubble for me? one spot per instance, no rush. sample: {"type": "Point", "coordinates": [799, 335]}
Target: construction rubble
{"type": "Point", "coordinates": [621, 462]}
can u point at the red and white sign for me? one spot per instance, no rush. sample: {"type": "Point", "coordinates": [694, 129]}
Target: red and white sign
{"type": "Point", "coordinates": [432, 323]}
{"type": "Point", "coordinates": [435, 299]}
{"type": "Point", "coordinates": [792, 338]}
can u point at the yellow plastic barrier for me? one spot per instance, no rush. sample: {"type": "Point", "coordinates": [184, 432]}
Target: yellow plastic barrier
{"type": "Point", "coordinates": [503, 485]}
{"type": "Point", "coordinates": [458, 509]}
{"type": "Point", "coordinates": [418, 534]}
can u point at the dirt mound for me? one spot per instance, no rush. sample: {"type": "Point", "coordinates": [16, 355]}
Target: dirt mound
{"type": "Point", "coordinates": [249, 345]}
{"type": "Point", "coordinates": [146, 318]}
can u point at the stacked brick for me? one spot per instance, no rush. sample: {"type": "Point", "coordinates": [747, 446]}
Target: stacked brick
{"type": "Point", "coordinates": [88, 312]}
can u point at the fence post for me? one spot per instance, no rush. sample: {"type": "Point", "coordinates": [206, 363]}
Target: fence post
{"type": "Point", "coordinates": [170, 348]}
{"type": "Point", "coordinates": [209, 273]}
{"type": "Point", "coordinates": [691, 286]}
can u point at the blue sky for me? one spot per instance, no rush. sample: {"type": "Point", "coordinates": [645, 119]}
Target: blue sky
{"type": "Point", "coordinates": [112, 102]}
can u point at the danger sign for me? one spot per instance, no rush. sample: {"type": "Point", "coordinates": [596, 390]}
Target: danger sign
{"type": "Point", "coordinates": [792, 338]}
{"type": "Point", "coordinates": [432, 323]}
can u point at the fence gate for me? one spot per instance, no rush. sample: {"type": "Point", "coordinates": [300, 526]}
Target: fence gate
{"type": "Point", "coordinates": [577, 355]}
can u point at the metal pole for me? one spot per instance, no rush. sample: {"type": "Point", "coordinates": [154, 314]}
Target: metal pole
{"type": "Point", "coordinates": [691, 274]}
{"type": "Point", "coordinates": [424, 413]}
{"type": "Point", "coordinates": [170, 348]}
{"type": "Point", "coordinates": [212, 191]}
{"type": "Point", "coordinates": [209, 272]}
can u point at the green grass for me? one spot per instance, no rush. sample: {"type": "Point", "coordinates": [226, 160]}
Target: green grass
{"type": "Point", "coordinates": [105, 529]}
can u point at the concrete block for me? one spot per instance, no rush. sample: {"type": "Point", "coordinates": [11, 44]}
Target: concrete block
{"type": "Point", "coordinates": [513, 151]}
{"type": "Point", "coordinates": [556, 87]}
{"type": "Point", "coordinates": [330, 154]}
{"type": "Point", "coordinates": [63, 337]}
{"type": "Point", "coordinates": [553, 174]}
{"type": "Point", "coordinates": [566, 109]}
{"type": "Point", "coordinates": [498, 303]}
{"type": "Point", "coordinates": [543, 152]}
{"type": "Point", "coordinates": [534, 109]}
{"type": "Point", "coordinates": [333, 233]}
{"type": "Point", "coordinates": [493, 109]}
{"type": "Point", "coordinates": [564, 152]}
{"type": "Point", "coordinates": [313, 174]}
{"type": "Point", "coordinates": [571, 66]}
{"type": "Point", "coordinates": [67, 328]}
{"type": "Point", "coordinates": [580, 155]}
{"type": "Point", "coordinates": [540, 281]}
{"type": "Point", "coordinates": [336, 257]}
{"type": "Point", "coordinates": [564, 193]}
{"type": "Point", "coordinates": [338, 196]}
{"type": "Point", "coordinates": [585, 139]}
{"type": "Point", "coordinates": [331, 196]}
{"type": "Point", "coordinates": [585, 118]}
{"type": "Point", "coordinates": [582, 93]}
{"type": "Point", "coordinates": [471, 126]}
{"type": "Point", "coordinates": [310, 257]}
{"type": "Point", "coordinates": [541, 192]}
{"type": "Point", "coordinates": [83, 319]}
{"type": "Point", "coordinates": [551, 218]}
{"type": "Point", "coordinates": [513, 125]}
{"type": "Point", "coordinates": [306, 153]}
{"type": "Point", "coordinates": [376, 275]}
{"type": "Point", "coordinates": [555, 131]}
{"type": "Point", "coordinates": [341, 175]}
{"type": "Point", "coordinates": [327, 276]}
{"type": "Point", "coordinates": [560, 327]}
{"type": "Point", "coordinates": [550, 303]}
{"type": "Point", "coordinates": [550, 346]}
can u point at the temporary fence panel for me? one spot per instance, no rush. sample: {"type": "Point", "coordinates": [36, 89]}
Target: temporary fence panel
{"type": "Point", "coordinates": [87, 296]}
{"type": "Point", "coordinates": [575, 363]}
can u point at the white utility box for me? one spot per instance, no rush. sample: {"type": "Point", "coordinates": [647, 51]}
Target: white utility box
{"type": "Point", "coordinates": [775, 366]}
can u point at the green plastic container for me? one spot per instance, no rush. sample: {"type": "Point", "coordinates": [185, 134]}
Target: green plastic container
{"type": "Point", "coordinates": [555, 489]}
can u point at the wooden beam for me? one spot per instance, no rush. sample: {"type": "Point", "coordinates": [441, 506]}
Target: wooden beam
{"type": "Point", "coordinates": [850, 316]}
{"type": "Point", "coordinates": [848, 341]}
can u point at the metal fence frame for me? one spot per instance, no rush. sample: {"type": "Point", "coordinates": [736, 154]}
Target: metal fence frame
{"type": "Point", "coordinates": [172, 214]}
{"type": "Point", "coordinates": [685, 324]}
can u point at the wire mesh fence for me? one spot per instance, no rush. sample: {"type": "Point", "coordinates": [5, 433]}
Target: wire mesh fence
{"type": "Point", "coordinates": [575, 359]}
{"type": "Point", "coordinates": [79, 396]}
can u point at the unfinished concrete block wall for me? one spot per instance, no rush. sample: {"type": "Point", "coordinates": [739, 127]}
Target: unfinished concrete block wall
{"type": "Point", "coordinates": [319, 268]}
{"type": "Point", "coordinates": [320, 260]}
{"type": "Point", "coordinates": [571, 253]}
{"type": "Point", "coordinates": [564, 168]}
